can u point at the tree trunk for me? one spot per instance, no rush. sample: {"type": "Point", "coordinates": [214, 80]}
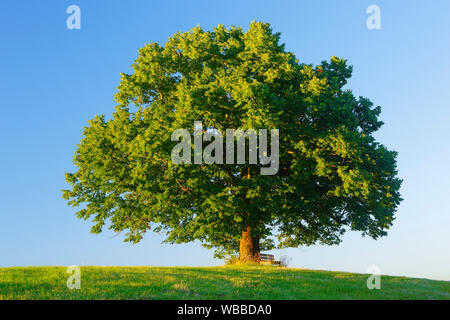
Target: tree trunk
{"type": "Point", "coordinates": [249, 247]}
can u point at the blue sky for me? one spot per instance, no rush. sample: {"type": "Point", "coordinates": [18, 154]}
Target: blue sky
{"type": "Point", "coordinates": [54, 79]}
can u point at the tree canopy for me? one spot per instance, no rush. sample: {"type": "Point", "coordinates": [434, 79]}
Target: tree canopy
{"type": "Point", "coordinates": [333, 175]}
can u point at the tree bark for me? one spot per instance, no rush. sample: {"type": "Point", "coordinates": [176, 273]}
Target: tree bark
{"type": "Point", "coordinates": [249, 247]}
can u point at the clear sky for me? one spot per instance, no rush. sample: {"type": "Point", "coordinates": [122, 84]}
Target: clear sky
{"type": "Point", "coordinates": [54, 79]}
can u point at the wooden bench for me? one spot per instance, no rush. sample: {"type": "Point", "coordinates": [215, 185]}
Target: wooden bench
{"type": "Point", "coordinates": [268, 259]}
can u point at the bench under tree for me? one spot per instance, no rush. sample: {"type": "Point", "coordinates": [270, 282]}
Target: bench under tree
{"type": "Point", "coordinates": [268, 259]}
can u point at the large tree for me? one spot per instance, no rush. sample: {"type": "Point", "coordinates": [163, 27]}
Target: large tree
{"type": "Point", "coordinates": [333, 175]}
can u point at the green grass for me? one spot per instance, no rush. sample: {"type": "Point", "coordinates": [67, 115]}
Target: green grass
{"type": "Point", "coordinates": [228, 282]}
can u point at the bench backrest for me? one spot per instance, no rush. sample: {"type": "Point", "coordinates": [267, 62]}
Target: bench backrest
{"type": "Point", "coordinates": [267, 257]}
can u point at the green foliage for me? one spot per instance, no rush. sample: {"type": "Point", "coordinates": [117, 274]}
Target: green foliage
{"type": "Point", "coordinates": [333, 174]}
{"type": "Point", "coordinates": [229, 283]}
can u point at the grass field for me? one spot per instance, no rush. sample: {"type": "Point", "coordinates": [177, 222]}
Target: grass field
{"type": "Point", "coordinates": [209, 283]}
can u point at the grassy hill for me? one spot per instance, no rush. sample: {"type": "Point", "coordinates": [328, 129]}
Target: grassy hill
{"type": "Point", "coordinates": [209, 283]}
